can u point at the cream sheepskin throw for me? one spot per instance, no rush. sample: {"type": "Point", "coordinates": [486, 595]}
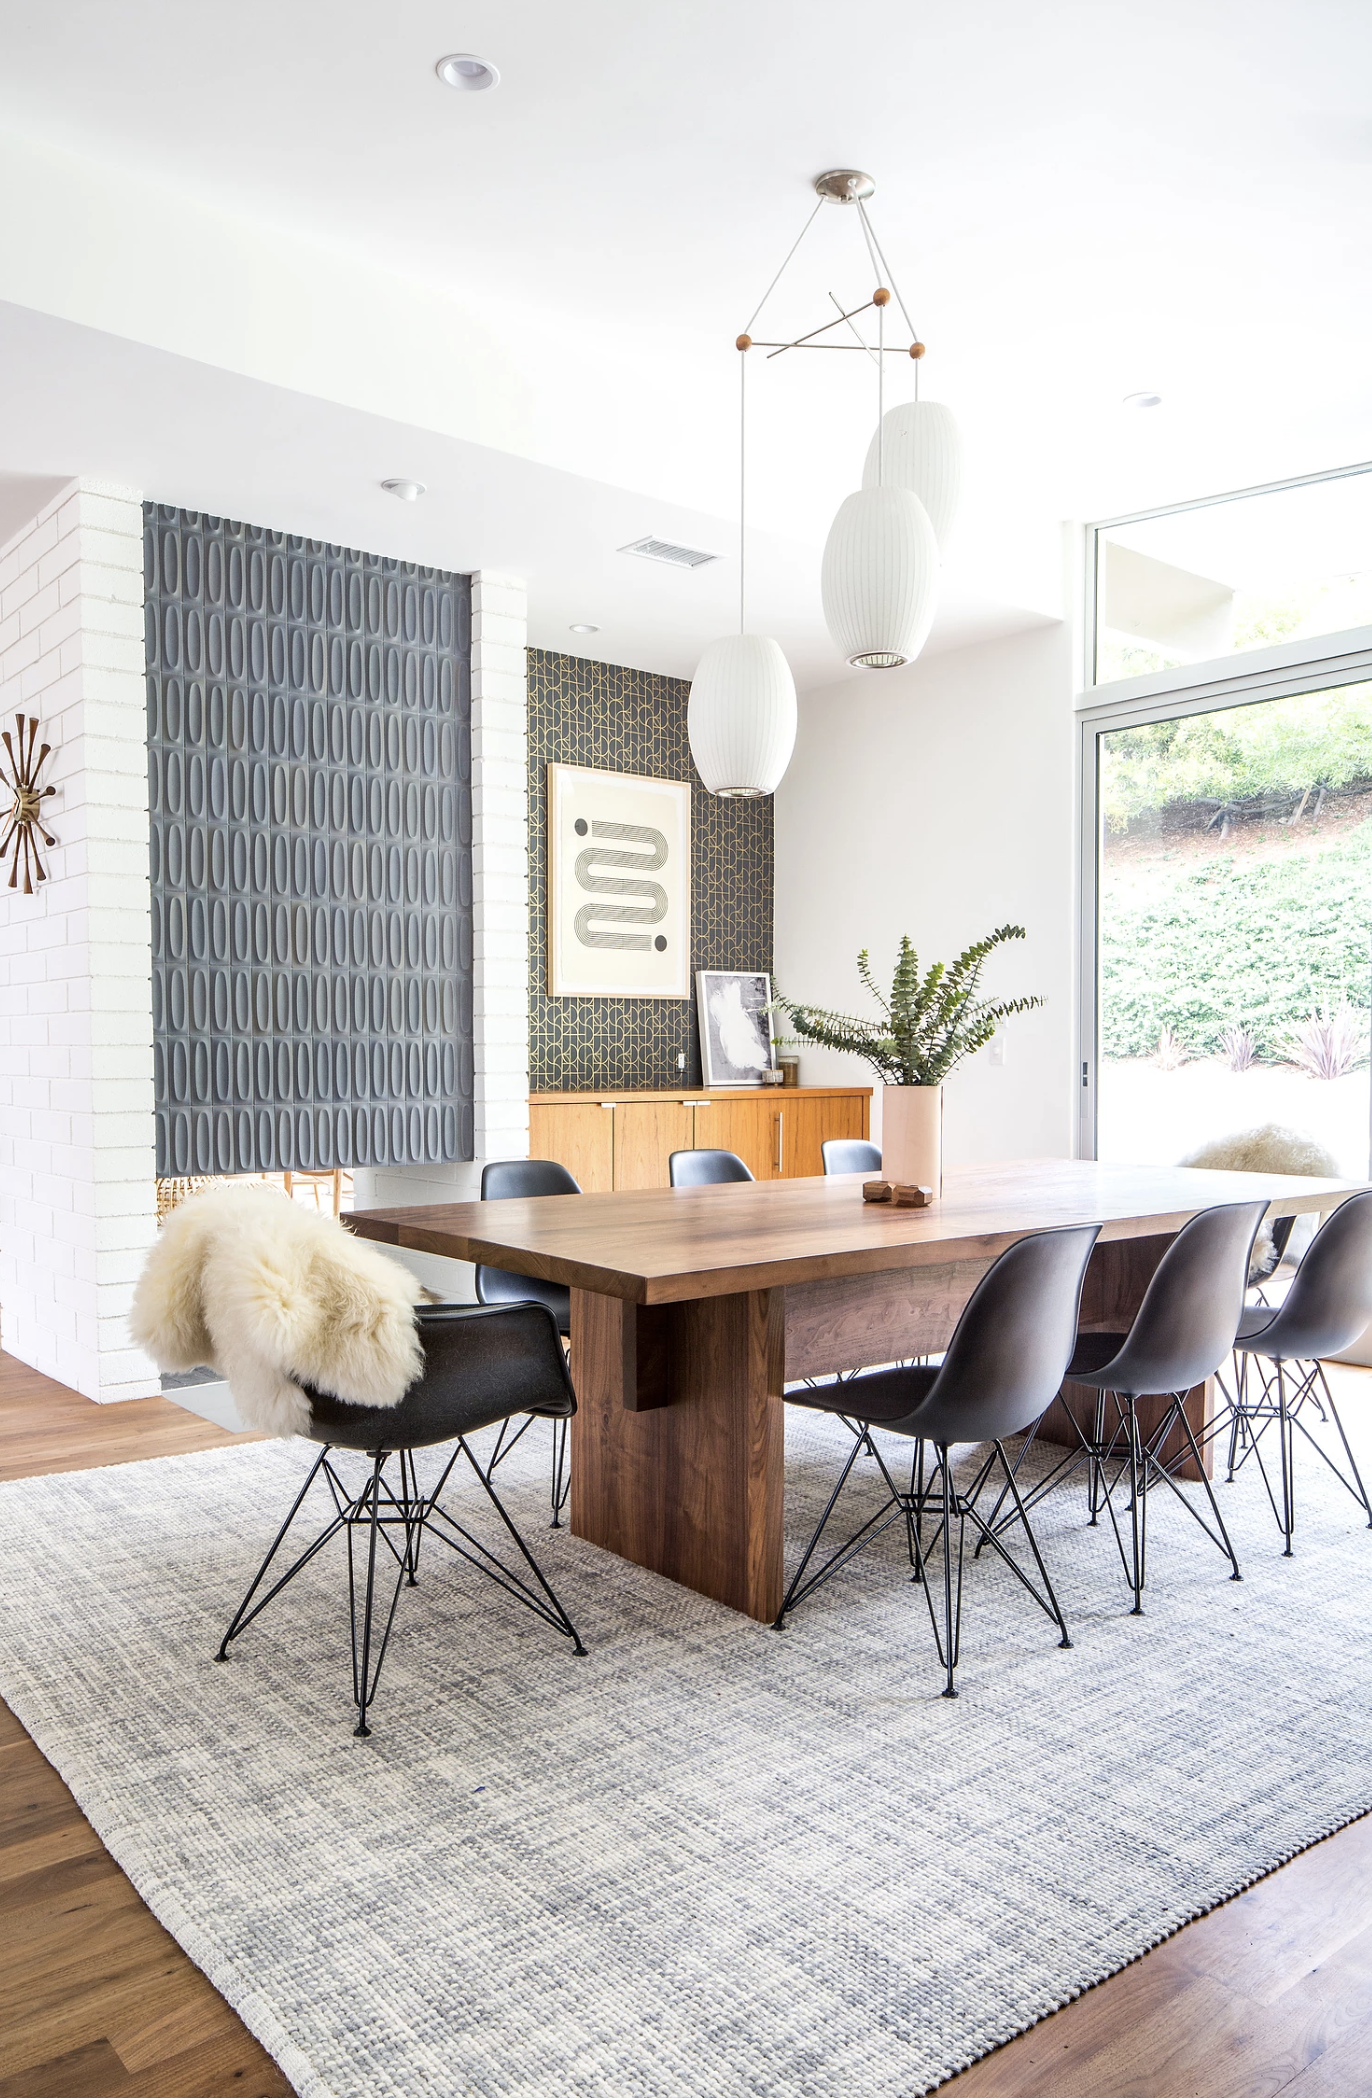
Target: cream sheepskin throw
{"type": "Point", "coordinates": [1268, 1149]}
{"type": "Point", "coordinates": [268, 1292]}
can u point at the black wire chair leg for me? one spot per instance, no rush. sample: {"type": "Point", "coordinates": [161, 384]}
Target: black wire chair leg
{"type": "Point", "coordinates": [1138, 1510]}
{"type": "Point", "coordinates": [1096, 1446]}
{"type": "Point", "coordinates": [559, 1614]}
{"type": "Point", "coordinates": [799, 1586]}
{"type": "Point", "coordinates": [1355, 1485]}
{"type": "Point", "coordinates": [952, 1611]}
{"type": "Point", "coordinates": [362, 1688]}
{"type": "Point", "coordinates": [1238, 1412]}
{"type": "Point", "coordinates": [1288, 1512]}
{"type": "Point", "coordinates": [562, 1477]}
{"type": "Point", "coordinates": [414, 1530]}
{"type": "Point", "coordinates": [1055, 1610]}
{"type": "Point", "coordinates": [992, 1520]}
{"type": "Point", "coordinates": [1162, 1471]}
{"type": "Point", "coordinates": [240, 1617]}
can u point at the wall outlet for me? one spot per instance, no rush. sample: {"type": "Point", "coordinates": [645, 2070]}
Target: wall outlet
{"type": "Point", "coordinates": [995, 1052]}
{"type": "Point", "coordinates": [681, 1061]}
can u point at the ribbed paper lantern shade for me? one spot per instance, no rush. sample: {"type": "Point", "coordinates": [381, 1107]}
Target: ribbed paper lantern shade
{"type": "Point", "coordinates": [879, 581]}
{"type": "Point", "coordinates": [921, 450]}
{"type": "Point", "coordinates": [741, 717]}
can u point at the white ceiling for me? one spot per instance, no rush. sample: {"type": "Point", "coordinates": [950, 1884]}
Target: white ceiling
{"type": "Point", "coordinates": [1079, 199]}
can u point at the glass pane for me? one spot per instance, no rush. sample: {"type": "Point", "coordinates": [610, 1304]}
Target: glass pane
{"type": "Point", "coordinates": [1232, 576]}
{"type": "Point", "coordinates": [1236, 927]}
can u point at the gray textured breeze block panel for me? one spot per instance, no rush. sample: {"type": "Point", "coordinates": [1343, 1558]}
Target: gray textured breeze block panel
{"type": "Point", "coordinates": [309, 780]}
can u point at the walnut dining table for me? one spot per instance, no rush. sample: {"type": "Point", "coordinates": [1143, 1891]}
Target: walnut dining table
{"type": "Point", "coordinates": [693, 1307]}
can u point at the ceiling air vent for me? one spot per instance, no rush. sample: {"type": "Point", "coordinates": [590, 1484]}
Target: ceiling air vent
{"type": "Point", "coordinates": [666, 550]}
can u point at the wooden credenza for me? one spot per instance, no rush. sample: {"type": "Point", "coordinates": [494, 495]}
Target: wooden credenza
{"type": "Point", "coordinates": [611, 1141]}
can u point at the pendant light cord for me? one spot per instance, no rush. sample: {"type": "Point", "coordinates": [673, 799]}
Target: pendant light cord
{"type": "Point", "coordinates": [881, 397]}
{"type": "Point", "coordinates": [782, 271]}
{"type": "Point", "coordinates": [882, 267]}
{"type": "Point", "coordinates": [742, 475]}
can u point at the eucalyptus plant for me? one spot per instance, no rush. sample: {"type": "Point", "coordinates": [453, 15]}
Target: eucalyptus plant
{"type": "Point", "coordinates": [929, 1022]}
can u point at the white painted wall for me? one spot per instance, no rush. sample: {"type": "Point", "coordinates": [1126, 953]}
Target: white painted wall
{"type": "Point", "coordinates": [500, 910]}
{"type": "Point", "coordinates": [939, 801]}
{"type": "Point", "coordinates": [77, 1190]}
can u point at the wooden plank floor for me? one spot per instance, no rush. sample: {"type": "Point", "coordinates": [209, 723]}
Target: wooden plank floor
{"type": "Point", "coordinates": [96, 2000]}
{"type": "Point", "coordinates": [1270, 1994]}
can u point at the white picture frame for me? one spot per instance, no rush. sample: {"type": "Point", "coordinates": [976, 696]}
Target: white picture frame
{"type": "Point", "coordinates": [619, 885]}
{"type": "Point", "coordinates": [737, 1042]}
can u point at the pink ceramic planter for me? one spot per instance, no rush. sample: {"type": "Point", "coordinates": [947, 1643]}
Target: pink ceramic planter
{"type": "Point", "coordinates": [912, 1135]}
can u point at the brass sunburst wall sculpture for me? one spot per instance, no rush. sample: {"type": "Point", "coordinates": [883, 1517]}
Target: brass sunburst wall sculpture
{"type": "Point", "coordinates": [23, 820]}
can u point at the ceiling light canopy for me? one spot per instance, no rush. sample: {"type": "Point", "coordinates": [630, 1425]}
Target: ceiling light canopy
{"type": "Point", "coordinates": [404, 491]}
{"type": "Point", "coordinates": [1142, 400]}
{"type": "Point", "coordinates": [466, 72]}
{"type": "Point", "coordinates": [582, 626]}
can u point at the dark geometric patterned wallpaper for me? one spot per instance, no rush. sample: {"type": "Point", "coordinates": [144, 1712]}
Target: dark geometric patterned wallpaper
{"type": "Point", "coordinates": [309, 768]}
{"type": "Point", "coordinates": [618, 720]}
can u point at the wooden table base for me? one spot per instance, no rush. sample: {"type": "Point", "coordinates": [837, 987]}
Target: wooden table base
{"type": "Point", "coordinates": [677, 1444]}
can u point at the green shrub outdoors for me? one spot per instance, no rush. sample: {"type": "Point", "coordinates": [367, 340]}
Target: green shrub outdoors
{"type": "Point", "coordinates": [1325, 740]}
{"type": "Point", "coordinates": [1262, 944]}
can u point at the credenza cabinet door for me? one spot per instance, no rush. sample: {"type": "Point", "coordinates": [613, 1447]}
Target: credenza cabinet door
{"type": "Point", "coordinates": [809, 1123]}
{"type": "Point", "coordinates": [580, 1136]}
{"type": "Point", "coordinates": [646, 1134]}
{"type": "Point", "coordinates": [747, 1126]}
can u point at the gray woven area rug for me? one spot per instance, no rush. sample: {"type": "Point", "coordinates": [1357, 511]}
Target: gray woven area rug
{"type": "Point", "coordinates": [709, 1859]}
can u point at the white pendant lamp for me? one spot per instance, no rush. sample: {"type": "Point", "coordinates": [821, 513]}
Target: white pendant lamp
{"type": "Point", "coordinates": [741, 716]}
{"type": "Point", "coordinates": [879, 579]}
{"type": "Point", "coordinates": [880, 574]}
{"type": "Point", "coordinates": [917, 446]}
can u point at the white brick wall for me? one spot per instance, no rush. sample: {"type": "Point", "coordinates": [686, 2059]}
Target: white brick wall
{"type": "Point", "coordinates": [77, 1189]}
{"type": "Point", "coordinates": [500, 881]}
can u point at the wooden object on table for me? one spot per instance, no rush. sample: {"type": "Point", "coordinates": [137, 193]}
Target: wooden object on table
{"type": "Point", "coordinates": [897, 1193]}
{"type": "Point", "coordinates": [622, 1141]}
{"type": "Point", "coordinates": [831, 1283]}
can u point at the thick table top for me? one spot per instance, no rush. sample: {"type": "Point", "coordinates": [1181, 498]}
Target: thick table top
{"type": "Point", "coordinates": [662, 1245]}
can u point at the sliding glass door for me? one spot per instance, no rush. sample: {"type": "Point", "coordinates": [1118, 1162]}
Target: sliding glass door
{"type": "Point", "coordinates": [1226, 842]}
{"type": "Point", "coordinates": [1234, 926]}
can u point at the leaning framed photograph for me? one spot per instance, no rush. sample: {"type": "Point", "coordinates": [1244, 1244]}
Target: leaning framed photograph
{"type": "Point", "coordinates": [619, 885]}
{"type": "Point", "coordinates": [736, 1044]}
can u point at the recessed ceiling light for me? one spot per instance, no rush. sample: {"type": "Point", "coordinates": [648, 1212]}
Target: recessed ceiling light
{"type": "Point", "coordinates": [404, 491]}
{"type": "Point", "coordinates": [582, 626]}
{"type": "Point", "coordinates": [464, 70]}
{"type": "Point", "coordinates": [1142, 400]}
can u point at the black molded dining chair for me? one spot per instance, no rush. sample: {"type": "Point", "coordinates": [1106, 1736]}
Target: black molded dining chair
{"type": "Point", "coordinates": [705, 1168]}
{"type": "Point", "coordinates": [504, 1180]}
{"type": "Point", "coordinates": [850, 1154]}
{"type": "Point", "coordinates": [1327, 1307]}
{"type": "Point", "coordinates": [1182, 1332]}
{"type": "Point", "coordinates": [481, 1364]}
{"type": "Point", "coordinates": [1002, 1368]}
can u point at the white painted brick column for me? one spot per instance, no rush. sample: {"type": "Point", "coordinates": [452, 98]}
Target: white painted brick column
{"type": "Point", "coordinates": [500, 863]}
{"type": "Point", "coordinates": [78, 1200]}
{"type": "Point", "coordinates": [500, 914]}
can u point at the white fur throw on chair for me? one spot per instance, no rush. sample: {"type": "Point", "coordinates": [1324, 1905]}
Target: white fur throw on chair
{"type": "Point", "coordinates": [1267, 1149]}
{"type": "Point", "coordinates": [254, 1285]}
